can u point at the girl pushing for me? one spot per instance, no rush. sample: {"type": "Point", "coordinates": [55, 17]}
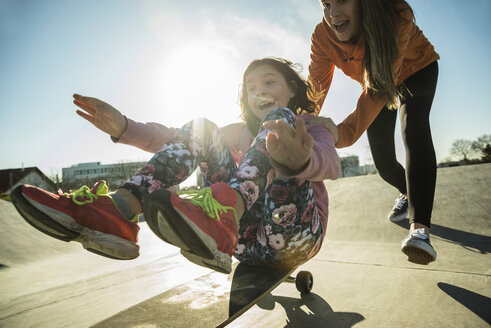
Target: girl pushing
{"type": "Point", "coordinates": [377, 43]}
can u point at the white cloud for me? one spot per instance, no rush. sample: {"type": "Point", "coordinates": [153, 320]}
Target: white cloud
{"type": "Point", "coordinates": [247, 39]}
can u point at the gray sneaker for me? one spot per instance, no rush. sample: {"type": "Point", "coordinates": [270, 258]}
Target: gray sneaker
{"type": "Point", "coordinates": [399, 211]}
{"type": "Point", "coordinates": [418, 248]}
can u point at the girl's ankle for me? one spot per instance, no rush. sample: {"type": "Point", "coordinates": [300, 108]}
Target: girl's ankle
{"type": "Point", "coordinates": [415, 226]}
{"type": "Point", "coordinates": [131, 200]}
{"type": "Point", "coordinates": [240, 206]}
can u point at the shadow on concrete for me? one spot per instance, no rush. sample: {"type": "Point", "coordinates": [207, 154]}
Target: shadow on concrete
{"type": "Point", "coordinates": [310, 311]}
{"type": "Point", "coordinates": [470, 241]}
{"type": "Point", "coordinates": [477, 303]}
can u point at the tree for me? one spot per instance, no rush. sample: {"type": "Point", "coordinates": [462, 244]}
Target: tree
{"type": "Point", "coordinates": [486, 154]}
{"type": "Point", "coordinates": [482, 146]}
{"type": "Point", "coordinates": [462, 149]}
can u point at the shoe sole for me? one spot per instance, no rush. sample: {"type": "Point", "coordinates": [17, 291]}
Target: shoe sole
{"type": "Point", "coordinates": [175, 228]}
{"type": "Point", "coordinates": [221, 264]}
{"type": "Point", "coordinates": [418, 256]}
{"type": "Point", "coordinates": [399, 217]}
{"type": "Point", "coordinates": [68, 229]}
{"type": "Point", "coordinates": [418, 252]}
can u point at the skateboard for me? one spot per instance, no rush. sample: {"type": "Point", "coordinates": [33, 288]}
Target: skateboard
{"type": "Point", "coordinates": [251, 283]}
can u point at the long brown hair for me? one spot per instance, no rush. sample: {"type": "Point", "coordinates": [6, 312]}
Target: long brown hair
{"type": "Point", "coordinates": [378, 19]}
{"type": "Point", "coordinates": [304, 101]}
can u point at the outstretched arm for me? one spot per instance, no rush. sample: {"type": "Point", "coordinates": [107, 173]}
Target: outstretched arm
{"type": "Point", "coordinates": [146, 136]}
{"type": "Point", "coordinates": [102, 115]}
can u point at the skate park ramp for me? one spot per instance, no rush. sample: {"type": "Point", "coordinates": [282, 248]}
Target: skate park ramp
{"type": "Point", "coordinates": [361, 278]}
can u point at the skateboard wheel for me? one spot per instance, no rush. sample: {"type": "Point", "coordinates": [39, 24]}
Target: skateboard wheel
{"type": "Point", "coordinates": [304, 282]}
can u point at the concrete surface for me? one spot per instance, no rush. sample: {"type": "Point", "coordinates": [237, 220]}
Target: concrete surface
{"type": "Point", "coordinates": [361, 279]}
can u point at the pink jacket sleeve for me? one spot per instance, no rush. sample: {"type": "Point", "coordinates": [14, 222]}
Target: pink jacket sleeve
{"type": "Point", "coordinates": [146, 136]}
{"type": "Point", "coordinates": [152, 136]}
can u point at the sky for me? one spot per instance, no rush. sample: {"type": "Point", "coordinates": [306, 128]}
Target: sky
{"type": "Point", "coordinates": [171, 61]}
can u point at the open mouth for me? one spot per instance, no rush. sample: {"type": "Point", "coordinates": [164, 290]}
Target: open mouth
{"type": "Point", "coordinates": [266, 105]}
{"type": "Point", "coordinates": [342, 27]}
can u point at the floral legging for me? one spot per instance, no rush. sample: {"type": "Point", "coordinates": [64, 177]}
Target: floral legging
{"type": "Point", "coordinates": [281, 223]}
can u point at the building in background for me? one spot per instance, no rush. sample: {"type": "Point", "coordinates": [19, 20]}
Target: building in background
{"type": "Point", "coordinates": [88, 173]}
{"type": "Point", "coordinates": [368, 169]}
{"type": "Point", "coordinates": [350, 167]}
{"type": "Point", "coordinates": [11, 178]}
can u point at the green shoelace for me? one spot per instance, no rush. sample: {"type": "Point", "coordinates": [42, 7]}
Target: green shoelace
{"type": "Point", "coordinates": [84, 192]}
{"type": "Point", "coordinates": [204, 199]}
{"type": "Point", "coordinates": [89, 197]}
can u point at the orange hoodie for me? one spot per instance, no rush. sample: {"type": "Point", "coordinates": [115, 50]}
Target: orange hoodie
{"type": "Point", "coordinates": [327, 52]}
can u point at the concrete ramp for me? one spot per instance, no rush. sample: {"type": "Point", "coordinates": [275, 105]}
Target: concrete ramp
{"type": "Point", "coordinates": [20, 243]}
{"type": "Point", "coordinates": [361, 278]}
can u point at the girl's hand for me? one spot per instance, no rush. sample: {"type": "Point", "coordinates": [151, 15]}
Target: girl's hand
{"type": "Point", "coordinates": [328, 124]}
{"type": "Point", "coordinates": [103, 116]}
{"type": "Point", "coordinates": [287, 146]}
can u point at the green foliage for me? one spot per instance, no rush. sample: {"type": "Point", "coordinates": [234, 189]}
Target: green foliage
{"type": "Point", "coordinates": [472, 152]}
{"type": "Point", "coordinates": [483, 147]}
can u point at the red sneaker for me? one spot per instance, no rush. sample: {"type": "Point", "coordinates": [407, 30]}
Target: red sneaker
{"type": "Point", "coordinates": [89, 217]}
{"type": "Point", "coordinates": [204, 225]}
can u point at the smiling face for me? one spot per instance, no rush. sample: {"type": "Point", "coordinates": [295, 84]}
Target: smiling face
{"type": "Point", "coordinates": [343, 17]}
{"type": "Point", "coordinates": [266, 90]}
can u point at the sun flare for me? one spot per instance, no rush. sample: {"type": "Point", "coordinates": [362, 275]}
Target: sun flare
{"type": "Point", "coordinates": [201, 81]}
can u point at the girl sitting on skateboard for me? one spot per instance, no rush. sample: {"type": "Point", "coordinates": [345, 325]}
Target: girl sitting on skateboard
{"type": "Point", "coordinates": [264, 199]}
{"type": "Point", "coordinates": [377, 43]}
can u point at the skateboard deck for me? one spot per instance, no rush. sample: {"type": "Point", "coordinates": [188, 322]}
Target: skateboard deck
{"type": "Point", "coordinates": [212, 300]}
{"type": "Point", "coordinates": [251, 283]}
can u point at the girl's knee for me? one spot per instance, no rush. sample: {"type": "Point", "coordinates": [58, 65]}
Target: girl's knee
{"type": "Point", "coordinates": [199, 127]}
{"type": "Point", "coordinates": [204, 123]}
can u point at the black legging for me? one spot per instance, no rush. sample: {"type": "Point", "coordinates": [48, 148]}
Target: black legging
{"type": "Point", "coordinates": [419, 179]}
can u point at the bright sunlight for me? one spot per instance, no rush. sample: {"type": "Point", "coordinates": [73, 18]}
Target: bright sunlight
{"type": "Point", "coordinates": [200, 80]}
